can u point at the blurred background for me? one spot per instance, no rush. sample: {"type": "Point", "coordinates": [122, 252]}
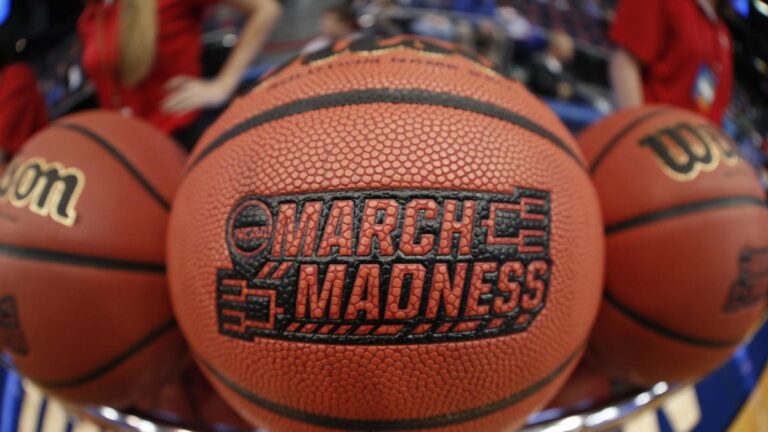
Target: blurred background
{"type": "Point", "coordinates": [516, 34]}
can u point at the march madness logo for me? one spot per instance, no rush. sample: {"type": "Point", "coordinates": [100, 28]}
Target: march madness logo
{"type": "Point", "coordinates": [686, 150]}
{"type": "Point", "coordinates": [385, 266]}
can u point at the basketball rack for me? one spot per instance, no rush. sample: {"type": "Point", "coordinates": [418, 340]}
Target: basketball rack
{"type": "Point", "coordinates": [597, 417]}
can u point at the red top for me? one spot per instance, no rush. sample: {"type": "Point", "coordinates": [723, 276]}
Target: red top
{"type": "Point", "coordinates": [685, 51]}
{"type": "Point", "coordinates": [178, 53]}
{"type": "Point", "coordinates": [22, 109]}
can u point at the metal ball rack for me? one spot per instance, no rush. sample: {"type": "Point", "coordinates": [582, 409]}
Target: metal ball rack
{"type": "Point", "coordinates": [585, 417]}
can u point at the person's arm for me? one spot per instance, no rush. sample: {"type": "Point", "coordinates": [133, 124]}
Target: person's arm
{"type": "Point", "coordinates": [626, 79]}
{"type": "Point", "coordinates": [190, 93]}
{"type": "Point", "coordinates": [640, 33]}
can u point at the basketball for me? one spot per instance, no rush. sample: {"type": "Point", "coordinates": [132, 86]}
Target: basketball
{"type": "Point", "coordinates": [386, 235]}
{"type": "Point", "coordinates": [189, 400]}
{"type": "Point", "coordinates": [687, 244]}
{"type": "Point", "coordinates": [85, 307]}
{"type": "Point", "coordinates": [587, 386]}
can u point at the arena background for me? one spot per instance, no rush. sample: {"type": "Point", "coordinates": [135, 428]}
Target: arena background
{"type": "Point", "coordinates": [45, 33]}
{"type": "Point", "coordinates": [510, 32]}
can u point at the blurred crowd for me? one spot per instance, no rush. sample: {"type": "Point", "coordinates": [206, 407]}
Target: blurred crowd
{"type": "Point", "coordinates": [563, 50]}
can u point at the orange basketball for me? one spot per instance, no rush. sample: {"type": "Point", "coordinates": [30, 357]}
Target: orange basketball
{"type": "Point", "coordinates": [687, 244]}
{"type": "Point", "coordinates": [386, 235]}
{"type": "Point", "coordinates": [83, 298]}
{"type": "Point", "coordinates": [587, 387]}
{"type": "Point", "coordinates": [190, 401]}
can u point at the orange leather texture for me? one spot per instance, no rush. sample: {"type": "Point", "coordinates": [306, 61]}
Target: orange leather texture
{"type": "Point", "coordinates": [697, 241]}
{"type": "Point", "coordinates": [392, 146]}
{"type": "Point", "coordinates": [96, 330]}
{"type": "Point", "coordinates": [588, 383]}
{"type": "Point", "coordinates": [191, 401]}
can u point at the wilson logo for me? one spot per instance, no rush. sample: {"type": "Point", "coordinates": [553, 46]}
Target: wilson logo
{"type": "Point", "coordinates": [686, 150]}
{"type": "Point", "coordinates": [47, 189]}
{"type": "Point", "coordinates": [385, 266]}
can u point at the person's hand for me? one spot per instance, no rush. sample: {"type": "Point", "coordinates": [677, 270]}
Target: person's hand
{"type": "Point", "coordinates": [185, 94]}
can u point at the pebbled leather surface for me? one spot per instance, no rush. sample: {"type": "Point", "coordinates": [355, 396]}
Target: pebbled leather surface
{"type": "Point", "coordinates": [375, 147]}
{"type": "Point", "coordinates": [78, 318]}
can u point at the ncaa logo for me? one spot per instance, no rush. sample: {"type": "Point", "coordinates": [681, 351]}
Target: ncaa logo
{"type": "Point", "coordinates": [250, 228]}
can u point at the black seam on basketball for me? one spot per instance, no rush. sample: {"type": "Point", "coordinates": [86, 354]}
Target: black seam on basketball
{"type": "Point", "coordinates": [392, 96]}
{"type": "Point", "coordinates": [663, 330]}
{"type": "Point", "coordinates": [613, 142]}
{"type": "Point", "coordinates": [79, 260]}
{"type": "Point", "coordinates": [392, 424]}
{"type": "Point", "coordinates": [109, 366]}
{"type": "Point", "coordinates": [683, 210]}
{"type": "Point", "coordinates": [106, 145]}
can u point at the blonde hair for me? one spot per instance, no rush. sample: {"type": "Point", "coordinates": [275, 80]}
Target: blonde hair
{"type": "Point", "coordinates": [138, 40]}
